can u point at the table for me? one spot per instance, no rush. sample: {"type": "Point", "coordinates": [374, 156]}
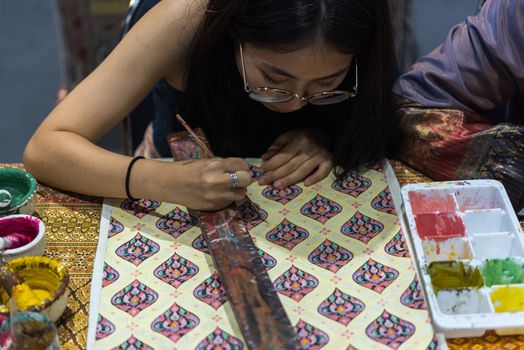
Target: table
{"type": "Point", "coordinates": [72, 228]}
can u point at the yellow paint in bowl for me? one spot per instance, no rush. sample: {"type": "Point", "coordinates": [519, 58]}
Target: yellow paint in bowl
{"type": "Point", "coordinates": [48, 279]}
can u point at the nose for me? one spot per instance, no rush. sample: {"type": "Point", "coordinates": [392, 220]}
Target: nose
{"type": "Point", "coordinates": [293, 105]}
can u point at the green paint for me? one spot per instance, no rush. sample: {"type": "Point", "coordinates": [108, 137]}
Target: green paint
{"type": "Point", "coordinates": [454, 275]}
{"type": "Point", "coordinates": [20, 184]}
{"type": "Point", "coordinates": [502, 271]}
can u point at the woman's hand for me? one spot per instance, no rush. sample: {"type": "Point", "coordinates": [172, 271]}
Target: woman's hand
{"type": "Point", "coordinates": [206, 184]}
{"type": "Point", "coordinates": [295, 156]}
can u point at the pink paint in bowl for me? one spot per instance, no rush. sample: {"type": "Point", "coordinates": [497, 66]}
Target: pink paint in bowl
{"type": "Point", "coordinates": [22, 235]}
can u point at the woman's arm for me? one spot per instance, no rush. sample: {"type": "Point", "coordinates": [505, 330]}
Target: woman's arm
{"type": "Point", "coordinates": [63, 153]}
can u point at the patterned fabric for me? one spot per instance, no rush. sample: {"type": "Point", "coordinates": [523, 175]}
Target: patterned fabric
{"type": "Point", "coordinates": [334, 252]}
{"type": "Point", "coordinates": [72, 226]}
{"type": "Point", "coordinates": [456, 144]}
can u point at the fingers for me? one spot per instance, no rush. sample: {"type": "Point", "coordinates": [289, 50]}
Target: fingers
{"type": "Point", "coordinates": [234, 164]}
{"type": "Point", "coordinates": [282, 171]}
{"type": "Point", "coordinates": [244, 179]}
{"type": "Point", "coordinates": [322, 172]}
{"type": "Point", "coordinates": [279, 143]}
{"type": "Point", "coordinates": [284, 157]}
{"type": "Point", "coordinates": [291, 178]}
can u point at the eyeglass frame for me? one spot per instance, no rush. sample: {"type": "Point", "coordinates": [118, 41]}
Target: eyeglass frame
{"type": "Point", "coordinates": [306, 98]}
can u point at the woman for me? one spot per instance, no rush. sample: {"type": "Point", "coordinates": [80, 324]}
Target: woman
{"type": "Point", "coordinates": [462, 106]}
{"type": "Point", "coordinates": [303, 84]}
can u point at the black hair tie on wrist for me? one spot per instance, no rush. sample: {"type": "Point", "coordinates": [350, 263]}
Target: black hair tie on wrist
{"type": "Point", "coordinates": [129, 167]}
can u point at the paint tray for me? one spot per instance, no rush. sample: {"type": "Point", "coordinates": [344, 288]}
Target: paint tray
{"type": "Point", "coordinates": [469, 250]}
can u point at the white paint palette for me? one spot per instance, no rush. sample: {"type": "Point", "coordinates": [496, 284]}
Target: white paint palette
{"type": "Point", "coordinates": [469, 249]}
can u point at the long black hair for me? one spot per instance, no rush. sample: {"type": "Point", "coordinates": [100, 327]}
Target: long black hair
{"type": "Point", "coordinates": [214, 94]}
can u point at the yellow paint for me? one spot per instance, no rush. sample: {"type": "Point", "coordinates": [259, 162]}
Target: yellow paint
{"type": "Point", "coordinates": [43, 279]}
{"type": "Point", "coordinates": [25, 297]}
{"type": "Point", "coordinates": [508, 299]}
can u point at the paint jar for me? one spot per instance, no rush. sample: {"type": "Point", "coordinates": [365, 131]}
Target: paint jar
{"type": "Point", "coordinates": [17, 192]}
{"type": "Point", "coordinates": [29, 330]}
{"type": "Point", "coordinates": [48, 279]}
{"type": "Point", "coordinates": [21, 235]}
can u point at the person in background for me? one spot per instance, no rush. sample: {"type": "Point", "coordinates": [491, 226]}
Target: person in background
{"type": "Point", "coordinates": [305, 85]}
{"type": "Point", "coordinates": [460, 109]}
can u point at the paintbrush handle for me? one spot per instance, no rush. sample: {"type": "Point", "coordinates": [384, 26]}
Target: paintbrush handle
{"type": "Point", "coordinates": [5, 243]}
{"type": "Point", "coordinates": [195, 136]}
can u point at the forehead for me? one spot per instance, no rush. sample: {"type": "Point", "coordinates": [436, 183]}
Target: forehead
{"type": "Point", "coordinates": [308, 63]}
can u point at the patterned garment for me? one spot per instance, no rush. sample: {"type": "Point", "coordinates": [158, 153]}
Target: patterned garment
{"type": "Point", "coordinates": [456, 144]}
{"type": "Point", "coordinates": [334, 252]}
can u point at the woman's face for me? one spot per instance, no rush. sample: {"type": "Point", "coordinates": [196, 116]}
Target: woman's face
{"type": "Point", "coordinates": [304, 72]}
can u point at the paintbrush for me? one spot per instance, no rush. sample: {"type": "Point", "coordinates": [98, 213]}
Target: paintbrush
{"type": "Point", "coordinates": [195, 136]}
{"type": "Point", "coordinates": [212, 156]}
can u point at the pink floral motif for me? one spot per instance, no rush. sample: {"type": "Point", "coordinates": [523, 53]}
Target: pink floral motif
{"type": "Point", "coordinates": [176, 270]}
{"type": "Point", "coordinates": [138, 249]}
{"type": "Point", "coordinates": [295, 283]}
{"type": "Point", "coordinates": [341, 307]}
{"type": "Point", "coordinates": [383, 202]}
{"type": "Point", "coordinates": [104, 327]}
{"type": "Point", "coordinates": [309, 337]}
{"type": "Point", "coordinates": [282, 195]}
{"type": "Point", "coordinates": [362, 227]}
{"type": "Point", "coordinates": [211, 292]}
{"type": "Point", "coordinates": [267, 260]}
{"type": "Point", "coordinates": [175, 322]}
{"type": "Point", "coordinates": [115, 227]}
{"type": "Point", "coordinates": [375, 276]}
{"type": "Point", "coordinates": [252, 215]}
{"type": "Point", "coordinates": [176, 222]}
{"type": "Point", "coordinates": [397, 246]}
{"type": "Point", "coordinates": [134, 298]}
{"type": "Point", "coordinates": [220, 340]}
{"type": "Point", "coordinates": [133, 344]}
{"type": "Point", "coordinates": [413, 296]}
{"type": "Point", "coordinates": [352, 183]}
{"type": "Point", "coordinates": [200, 244]}
{"type": "Point", "coordinates": [139, 208]}
{"type": "Point", "coordinates": [321, 209]}
{"type": "Point", "coordinates": [109, 275]}
{"type": "Point", "coordinates": [287, 234]}
{"type": "Point", "coordinates": [330, 256]}
{"type": "Point", "coordinates": [390, 330]}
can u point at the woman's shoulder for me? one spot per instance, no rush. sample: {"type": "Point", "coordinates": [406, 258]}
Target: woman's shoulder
{"type": "Point", "coordinates": [165, 33]}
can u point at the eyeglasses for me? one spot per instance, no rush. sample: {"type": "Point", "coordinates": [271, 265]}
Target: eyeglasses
{"type": "Point", "coordinates": [274, 95]}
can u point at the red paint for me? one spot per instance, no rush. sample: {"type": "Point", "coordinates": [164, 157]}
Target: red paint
{"type": "Point", "coordinates": [439, 226]}
{"type": "Point", "coordinates": [430, 202]}
{"type": "Point", "coordinates": [20, 230]}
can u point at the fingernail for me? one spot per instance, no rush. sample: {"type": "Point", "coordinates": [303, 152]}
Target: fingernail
{"type": "Point", "coordinates": [262, 181]}
{"type": "Point", "coordinates": [279, 184]}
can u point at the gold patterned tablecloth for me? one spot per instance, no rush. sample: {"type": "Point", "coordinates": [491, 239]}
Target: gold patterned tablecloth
{"type": "Point", "coordinates": [72, 224]}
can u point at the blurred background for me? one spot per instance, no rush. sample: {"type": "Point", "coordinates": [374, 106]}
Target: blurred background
{"type": "Point", "coordinates": [49, 45]}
